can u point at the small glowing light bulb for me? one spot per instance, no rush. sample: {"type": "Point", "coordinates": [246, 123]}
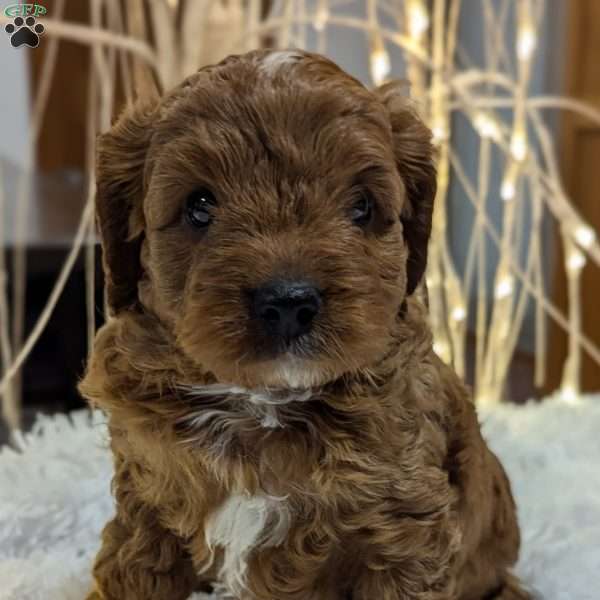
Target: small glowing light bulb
{"type": "Point", "coordinates": [486, 126]}
{"type": "Point", "coordinates": [439, 133]}
{"type": "Point", "coordinates": [508, 190]}
{"type": "Point", "coordinates": [518, 146]}
{"type": "Point", "coordinates": [504, 287]}
{"type": "Point", "coordinates": [569, 393]}
{"type": "Point", "coordinates": [526, 42]}
{"type": "Point", "coordinates": [173, 3]}
{"type": "Point", "coordinates": [380, 62]}
{"type": "Point", "coordinates": [585, 236]}
{"type": "Point", "coordinates": [321, 16]}
{"type": "Point", "coordinates": [459, 313]}
{"type": "Point", "coordinates": [418, 19]}
{"type": "Point", "coordinates": [575, 261]}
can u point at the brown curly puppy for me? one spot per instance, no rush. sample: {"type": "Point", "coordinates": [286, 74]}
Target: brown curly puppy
{"type": "Point", "coordinates": [279, 421]}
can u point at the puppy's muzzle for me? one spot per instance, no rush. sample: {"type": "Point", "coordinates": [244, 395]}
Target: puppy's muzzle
{"type": "Point", "coordinates": [286, 310]}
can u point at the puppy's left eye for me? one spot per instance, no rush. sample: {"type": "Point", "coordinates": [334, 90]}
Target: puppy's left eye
{"type": "Point", "coordinates": [198, 208]}
{"type": "Point", "coordinates": [362, 210]}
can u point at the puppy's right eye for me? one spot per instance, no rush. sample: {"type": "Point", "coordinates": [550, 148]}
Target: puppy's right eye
{"type": "Point", "coordinates": [362, 211]}
{"type": "Point", "coordinates": [198, 208]}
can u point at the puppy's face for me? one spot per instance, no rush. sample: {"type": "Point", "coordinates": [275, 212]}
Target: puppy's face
{"type": "Point", "coordinates": [274, 214]}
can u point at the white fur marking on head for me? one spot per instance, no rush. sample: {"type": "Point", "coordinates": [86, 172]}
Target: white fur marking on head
{"type": "Point", "coordinates": [241, 524]}
{"type": "Point", "coordinates": [278, 59]}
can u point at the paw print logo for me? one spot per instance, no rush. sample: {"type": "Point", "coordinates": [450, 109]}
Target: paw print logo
{"type": "Point", "coordinates": [24, 32]}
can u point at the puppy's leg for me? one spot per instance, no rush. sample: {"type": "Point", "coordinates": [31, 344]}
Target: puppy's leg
{"type": "Point", "coordinates": [486, 510]}
{"type": "Point", "coordinates": [408, 557]}
{"type": "Point", "coordinates": [140, 560]}
{"type": "Point", "coordinates": [487, 515]}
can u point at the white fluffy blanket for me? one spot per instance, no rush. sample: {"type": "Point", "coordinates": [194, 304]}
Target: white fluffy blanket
{"type": "Point", "coordinates": [54, 500]}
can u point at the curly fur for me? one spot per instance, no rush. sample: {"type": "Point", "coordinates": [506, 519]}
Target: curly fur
{"type": "Point", "coordinates": [351, 466]}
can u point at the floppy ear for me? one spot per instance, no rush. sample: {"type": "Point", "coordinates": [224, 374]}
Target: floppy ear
{"type": "Point", "coordinates": [414, 156]}
{"type": "Point", "coordinates": [120, 162]}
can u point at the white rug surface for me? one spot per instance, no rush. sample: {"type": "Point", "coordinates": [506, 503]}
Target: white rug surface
{"type": "Point", "coordinates": [54, 500]}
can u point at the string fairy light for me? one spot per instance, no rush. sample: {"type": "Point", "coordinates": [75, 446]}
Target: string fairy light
{"type": "Point", "coordinates": [487, 127]}
{"type": "Point", "coordinates": [518, 144]}
{"type": "Point", "coordinates": [439, 132]}
{"type": "Point", "coordinates": [585, 236]}
{"type": "Point", "coordinates": [418, 19]}
{"type": "Point", "coordinates": [379, 60]}
{"type": "Point", "coordinates": [574, 263]}
{"type": "Point", "coordinates": [526, 38]}
{"type": "Point", "coordinates": [575, 260]}
{"type": "Point", "coordinates": [416, 24]}
{"type": "Point", "coordinates": [508, 188]}
{"type": "Point", "coordinates": [459, 313]}
{"type": "Point", "coordinates": [321, 15]}
{"type": "Point", "coordinates": [504, 287]}
{"type": "Point", "coordinates": [526, 41]}
{"type": "Point", "coordinates": [569, 394]}
{"type": "Point", "coordinates": [524, 48]}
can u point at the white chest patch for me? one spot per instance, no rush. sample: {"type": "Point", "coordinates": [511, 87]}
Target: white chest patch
{"type": "Point", "coordinates": [242, 524]}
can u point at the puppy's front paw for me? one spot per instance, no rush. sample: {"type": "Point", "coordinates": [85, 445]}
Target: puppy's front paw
{"type": "Point", "coordinates": [94, 595]}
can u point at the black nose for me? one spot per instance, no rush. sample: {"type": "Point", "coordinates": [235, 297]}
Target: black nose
{"type": "Point", "coordinates": [287, 309]}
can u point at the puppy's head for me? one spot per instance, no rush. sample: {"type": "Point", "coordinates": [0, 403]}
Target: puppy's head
{"type": "Point", "coordinates": [272, 212]}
